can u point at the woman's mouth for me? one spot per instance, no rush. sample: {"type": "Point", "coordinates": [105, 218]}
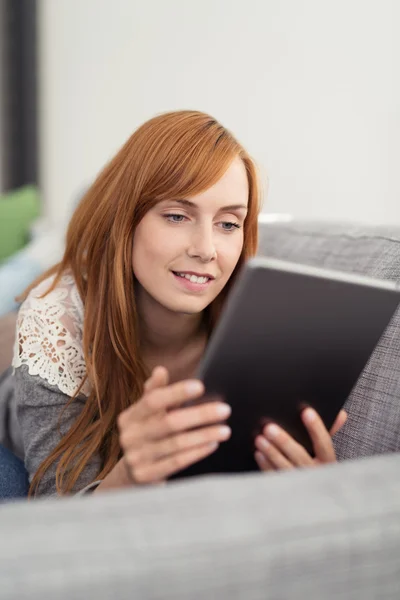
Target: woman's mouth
{"type": "Point", "coordinates": [193, 282]}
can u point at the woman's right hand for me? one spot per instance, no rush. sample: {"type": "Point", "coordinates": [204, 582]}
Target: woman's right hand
{"type": "Point", "coordinates": [159, 437]}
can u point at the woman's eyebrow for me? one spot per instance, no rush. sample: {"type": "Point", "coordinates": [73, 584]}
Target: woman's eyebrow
{"type": "Point", "coordinates": [231, 207]}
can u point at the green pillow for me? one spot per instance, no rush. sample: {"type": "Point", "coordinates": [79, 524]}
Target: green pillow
{"type": "Point", "coordinates": [18, 209]}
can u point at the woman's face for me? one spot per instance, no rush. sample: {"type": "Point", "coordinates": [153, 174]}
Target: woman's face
{"type": "Point", "coordinates": [184, 251]}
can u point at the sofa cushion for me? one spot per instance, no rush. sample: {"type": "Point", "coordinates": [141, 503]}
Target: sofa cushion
{"type": "Point", "coordinates": [374, 405]}
{"type": "Point", "coordinates": [331, 533]}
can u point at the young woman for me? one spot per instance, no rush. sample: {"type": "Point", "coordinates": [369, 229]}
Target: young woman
{"type": "Point", "coordinates": [109, 340]}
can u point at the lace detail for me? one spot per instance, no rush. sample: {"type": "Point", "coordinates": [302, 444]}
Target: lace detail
{"type": "Point", "coordinates": [49, 335]}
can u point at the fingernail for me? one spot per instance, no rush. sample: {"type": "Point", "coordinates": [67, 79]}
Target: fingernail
{"type": "Point", "coordinates": [263, 442]}
{"type": "Point", "coordinates": [213, 445]}
{"type": "Point", "coordinates": [194, 387]}
{"type": "Point", "coordinates": [272, 431]}
{"type": "Point", "coordinates": [260, 458]}
{"type": "Point", "coordinates": [224, 410]}
{"type": "Point", "coordinates": [309, 415]}
{"type": "Point", "coordinates": [225, 432]}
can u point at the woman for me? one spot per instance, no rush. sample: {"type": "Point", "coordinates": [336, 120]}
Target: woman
{"type": "Point", "coordinates": [109, 340]}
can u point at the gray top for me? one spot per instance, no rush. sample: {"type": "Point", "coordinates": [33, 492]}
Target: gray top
{"type": "Point", "coordinates": [49, 367]}
{"type": "Point", "coordinates": [39, 407]}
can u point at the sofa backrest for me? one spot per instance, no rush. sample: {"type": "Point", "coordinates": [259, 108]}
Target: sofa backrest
{"type": "Point", "coordinates": [374, 405]}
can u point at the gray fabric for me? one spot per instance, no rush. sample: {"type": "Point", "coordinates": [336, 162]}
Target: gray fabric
{"type": "Point", "coordinates": [331, 533]}
{"type": "Point", "coordinates": [10, 432]}
{"type": "Point", "coordinates": [374, 405]}
{"type": "Point", "coordinates": [372, 251]}
{"type": "Point", "coordinates": [39, 408]}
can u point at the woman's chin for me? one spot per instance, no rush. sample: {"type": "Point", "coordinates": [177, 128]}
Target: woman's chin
{"type": "Point", "coordinates": [189, 310]}
{"type": "Point", "coordinates": [189, 307]}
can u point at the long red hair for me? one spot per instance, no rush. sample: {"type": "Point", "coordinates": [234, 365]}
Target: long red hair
{"type": "Point", "coordinates": [174, 155]}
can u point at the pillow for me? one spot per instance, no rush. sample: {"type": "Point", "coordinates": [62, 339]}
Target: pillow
{"type": "Point", "coordinates": [18, 209]}
{"type": "Point", "coordinates": [373, 426]}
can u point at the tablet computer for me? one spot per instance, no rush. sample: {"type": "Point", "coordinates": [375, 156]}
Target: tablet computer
{"type": "Point", "coordinates": [290, 336]}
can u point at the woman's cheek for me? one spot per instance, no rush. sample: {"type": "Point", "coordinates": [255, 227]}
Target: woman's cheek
{"type": "Point", "coordinates": [230, 254]}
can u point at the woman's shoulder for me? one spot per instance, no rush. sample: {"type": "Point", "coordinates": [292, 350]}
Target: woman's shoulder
{"type": "Point", "coordinates": [63, 299]}
{"type": "Point", "coordinates": [49, 334]}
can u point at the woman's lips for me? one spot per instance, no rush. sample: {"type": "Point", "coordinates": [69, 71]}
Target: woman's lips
{"type": "Point", "coordinates": [192, 286]}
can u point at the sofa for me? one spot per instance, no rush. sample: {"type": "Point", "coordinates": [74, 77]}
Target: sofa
{"type": "Point", "coordinates": [327, 533]}
{"type": "Point", "coordinates": [7, 336]}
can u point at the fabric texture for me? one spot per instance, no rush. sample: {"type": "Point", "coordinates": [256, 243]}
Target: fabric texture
{"type": "Point", "coordinates": [331, 533]}
{"type": "Point", "coordinates": [13, 476]}
{"type": "Point", "coordinates": [373, 426]}
{"type": "Point", "coordinates": [10, 431]}
{"type": "Point", "coordinates": [44, 418]}
{"type": "Point", "coordinates": [49, 369]}
{"type": "Point", "coordinates": [49, 335]}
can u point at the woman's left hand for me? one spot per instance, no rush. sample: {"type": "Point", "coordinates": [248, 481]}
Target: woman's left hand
{"type": "Point", "coordinates": [276, 449]}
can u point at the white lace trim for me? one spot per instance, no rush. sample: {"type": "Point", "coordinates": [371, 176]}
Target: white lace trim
{"type": "Point", "coordinates": [49, 336]}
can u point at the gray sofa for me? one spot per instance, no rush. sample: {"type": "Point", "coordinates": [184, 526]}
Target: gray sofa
{"type": "Point", "coordinates": [328, 533]}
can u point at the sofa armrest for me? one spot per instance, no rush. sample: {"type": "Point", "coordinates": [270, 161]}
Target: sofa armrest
{"type": "Point", "coordinates": [330, 533]}
{"type": "Point", "coordinates": [7, 337]}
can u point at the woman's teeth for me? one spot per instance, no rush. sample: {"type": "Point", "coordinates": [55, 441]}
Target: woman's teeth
{"type": "Point", "coordinates": [193, 278]}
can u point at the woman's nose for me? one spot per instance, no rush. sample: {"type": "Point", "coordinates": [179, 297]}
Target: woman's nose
{"type": "Point", "coordinates": [202, 246]}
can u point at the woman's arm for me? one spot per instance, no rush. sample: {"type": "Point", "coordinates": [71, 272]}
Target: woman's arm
{"type": "Point", "coordinates": [39, 408]}
{"type": "Point", "coordinates": [117, 478]}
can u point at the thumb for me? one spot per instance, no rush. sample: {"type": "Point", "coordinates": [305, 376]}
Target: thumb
{"type": "Point", "coordinates": [159, 378]}
{"type": "Point", "coordinates": [338, 424]}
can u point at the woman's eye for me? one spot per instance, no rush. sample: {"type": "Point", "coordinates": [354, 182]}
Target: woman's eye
{"type": "Point", "coordinates": [228, 226]}
{"type": "Point", "coordinates": [174, 218]}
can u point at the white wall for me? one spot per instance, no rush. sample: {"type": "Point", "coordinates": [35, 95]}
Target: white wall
{"type": "Point", "coordinates": [311, 87]}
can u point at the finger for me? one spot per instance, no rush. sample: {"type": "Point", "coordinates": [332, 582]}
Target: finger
{"type": "Point", "coordinates": [272, 454]}
{"type": "Point", "coordinates": [168, 397]}
{"type": "Point", "coordinates": [294, 452]}
{"type": "Point", "coordinates": [262, 462]}
{"type": "Point", "coordinates": [164, 425]}
{"type": "Point", "coordinates": [168, 466]}
{"type": "Point", "coordinates": [178, 443]}
{"type": "Point", "coordinates": [159, 378]}
{"type": "Point", "coordinates": [175, 421]}
{"type": "Point", "coordinates": [159, 400]}
{"type": "Point", "coordinates": [320, 436]}
{"type": "Point", "coordinates": [338, 424]}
